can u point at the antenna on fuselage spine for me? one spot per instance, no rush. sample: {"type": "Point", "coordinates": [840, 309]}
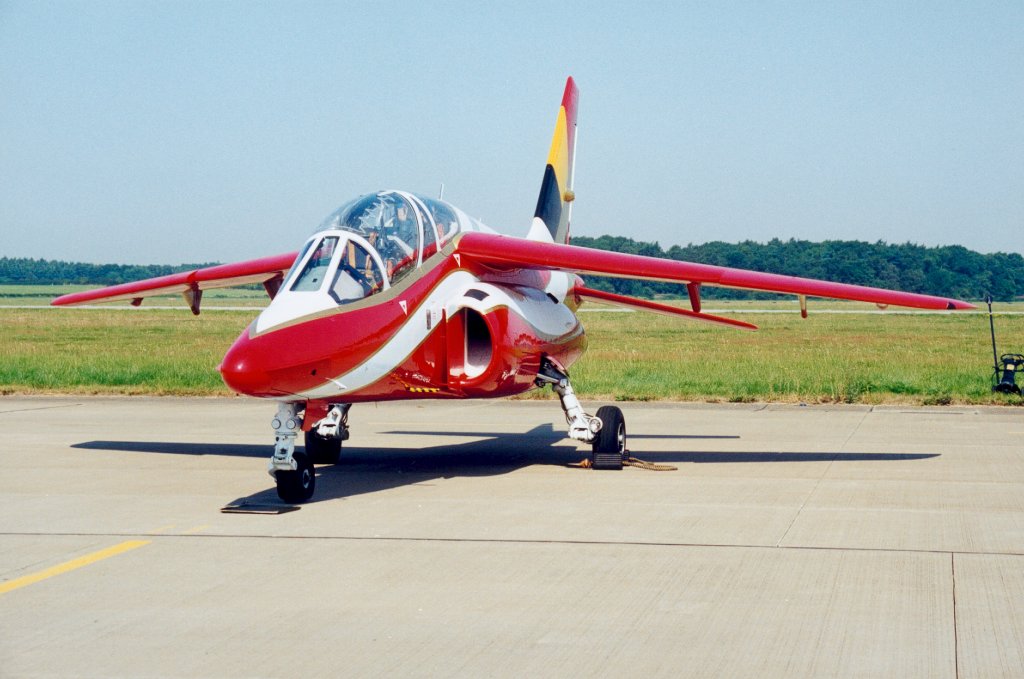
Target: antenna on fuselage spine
{"type": "Point", "coordinates": [440, 194]}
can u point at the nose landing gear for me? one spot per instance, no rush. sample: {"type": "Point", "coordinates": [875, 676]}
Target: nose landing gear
{"type": "Point", "coordinates": [293, 469]}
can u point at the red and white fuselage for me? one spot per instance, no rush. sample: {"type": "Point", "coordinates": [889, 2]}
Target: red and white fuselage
{"type": "Point", "coordinates": [367, 330]}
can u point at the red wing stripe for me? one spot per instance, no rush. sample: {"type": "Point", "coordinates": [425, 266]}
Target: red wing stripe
{"type": "Point", "coordinates": [509, 253]}
{"type": "Point", "coordinates": [220, 276]}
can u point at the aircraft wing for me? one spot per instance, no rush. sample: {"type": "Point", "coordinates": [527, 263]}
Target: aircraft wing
{"type": "Point", "coordinates": [269, 271]}
{"type": "Point", "coordinates": [506, 253]}
{"type": "Point", "coordinates": [645, 305]}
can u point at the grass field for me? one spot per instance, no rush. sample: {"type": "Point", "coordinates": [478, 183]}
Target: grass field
{"type": "Point", "coordinates": [137, 351]}
{"type": "Point", "coordinates": [42, 295]}
{"type": "Point", "coordinates": [829, 357]}
{"type": "Point", "coordinates": [850, 358]}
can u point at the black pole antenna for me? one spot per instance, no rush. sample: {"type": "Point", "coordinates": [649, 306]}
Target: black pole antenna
{"type": "Point", "coordinates": [992, 327]}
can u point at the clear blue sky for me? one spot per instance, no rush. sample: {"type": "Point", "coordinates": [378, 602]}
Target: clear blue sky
{"type": "Point", "coordinates": [168, 132]}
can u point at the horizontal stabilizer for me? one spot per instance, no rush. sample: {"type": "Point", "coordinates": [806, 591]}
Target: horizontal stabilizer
{"type": "Point", "coordinates": [644, 305]}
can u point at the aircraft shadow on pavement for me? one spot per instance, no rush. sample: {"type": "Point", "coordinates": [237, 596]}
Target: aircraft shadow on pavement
{"type": "Point", "coordinates": [501, 434]}
{"type": "Point", "coordinates": [366, 470]}
{"type": "Point", "coordinates": [167, 448]}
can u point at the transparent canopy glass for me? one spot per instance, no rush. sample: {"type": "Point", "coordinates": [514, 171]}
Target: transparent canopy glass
{"type": "Point", "coordinates": [401, 229]}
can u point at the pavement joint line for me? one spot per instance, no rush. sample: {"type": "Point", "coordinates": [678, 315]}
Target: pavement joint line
{"type": "Point", "coordinates": [956, 638]}
{"type": "Point", "coordinates": [821, 478]}
{"type": "Point", "coordinates": [25, 410]}
{"type": "Point", "coordinates": [515, 541]}
{"type": "Point", "coordinates": [69, 566]}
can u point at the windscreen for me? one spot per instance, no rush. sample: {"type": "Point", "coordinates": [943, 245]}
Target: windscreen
{"type": "Point", "coordinates": [357, 276]}
{"type": "Point", "coordinates": [313, 273]}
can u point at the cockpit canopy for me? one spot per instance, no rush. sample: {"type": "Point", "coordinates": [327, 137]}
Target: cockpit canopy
{"type": "Point", "coordinates": [372, 242]}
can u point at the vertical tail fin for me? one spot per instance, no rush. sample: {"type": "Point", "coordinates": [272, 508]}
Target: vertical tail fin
{"type": "Point", "coordinates": [554, 205]}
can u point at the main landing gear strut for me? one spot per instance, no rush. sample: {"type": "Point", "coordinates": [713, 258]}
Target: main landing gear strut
{"type": "Point", "coordinates": [293, 469]}
{"type": "Point", "coordinates": [606, 431]}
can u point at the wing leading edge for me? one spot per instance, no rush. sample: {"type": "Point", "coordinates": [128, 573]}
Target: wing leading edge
{"type": "Point", "coordinates": [502, 252]}
{"type": "Point", "coordinates": [269, 271]}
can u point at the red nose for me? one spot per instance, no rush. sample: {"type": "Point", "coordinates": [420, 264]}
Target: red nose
{"type": "Point", "coordinates": [244, 371]}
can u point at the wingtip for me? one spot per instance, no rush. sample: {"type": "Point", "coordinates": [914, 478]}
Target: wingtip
{"type": "Point", "coordinates": [957, 305]}
{"type": "Point", "coordinates": [71, 299]}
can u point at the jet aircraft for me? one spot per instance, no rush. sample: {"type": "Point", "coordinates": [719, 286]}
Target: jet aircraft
{"type": "Point", "coordinates": [401, 296]}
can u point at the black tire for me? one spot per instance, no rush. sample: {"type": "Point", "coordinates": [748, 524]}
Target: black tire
{"type": "Point", "coordinates": [296, 487]}
{"type": "Point", "coordinates": [322, 450]}
{"type": "Point", "coordinates": [609, 448]}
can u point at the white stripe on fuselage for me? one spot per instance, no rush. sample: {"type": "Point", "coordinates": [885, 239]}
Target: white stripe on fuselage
{"type": "Point", "coordinates": [547, 317]}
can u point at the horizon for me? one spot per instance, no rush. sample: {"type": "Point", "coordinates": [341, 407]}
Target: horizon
{"type": "Point", "coordinates": [664, 249]}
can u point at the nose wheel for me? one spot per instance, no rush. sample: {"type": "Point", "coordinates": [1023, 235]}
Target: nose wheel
{"type": "Point", "coordinates": [292, 469]}
{"type": "Point", "coordinates": [296, 486]}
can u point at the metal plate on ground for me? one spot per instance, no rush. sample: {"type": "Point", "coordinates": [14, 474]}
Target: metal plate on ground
{"type": "Point", "coordinates": [244, 508]}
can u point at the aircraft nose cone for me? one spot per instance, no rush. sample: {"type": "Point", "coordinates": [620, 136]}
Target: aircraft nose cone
{"type": "Point", "coordinates": [243, 372]}
{"type": "Point", "coordinates": [243, 379]}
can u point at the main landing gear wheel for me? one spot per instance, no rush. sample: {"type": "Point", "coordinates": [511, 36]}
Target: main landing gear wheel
{"type": "Point", "coordinates": [609, 447]}
{"type": "Point", "coordinates": [322, 449]}
{"type": "Point", "coordinates": [296, 486]}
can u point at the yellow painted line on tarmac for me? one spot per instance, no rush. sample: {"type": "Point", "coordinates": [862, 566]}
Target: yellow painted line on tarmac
{"type": "Point", "coordinates": [196, 529]}
{"type": "Point", "coordinates": [68, 566]}
{"type": "Point", "coordinates": [161, 529]}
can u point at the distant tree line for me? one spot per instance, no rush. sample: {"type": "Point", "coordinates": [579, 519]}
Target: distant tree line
{"type": "Point", "coordinates": [952, 271]}
{"type": "Point", "coordinates": [949, 271]}
{"type": "Point", "coordinates": [51, 272]}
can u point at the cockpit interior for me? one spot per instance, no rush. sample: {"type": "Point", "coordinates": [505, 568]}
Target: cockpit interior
{"type": "Point", "coordinates": [372, 242]}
